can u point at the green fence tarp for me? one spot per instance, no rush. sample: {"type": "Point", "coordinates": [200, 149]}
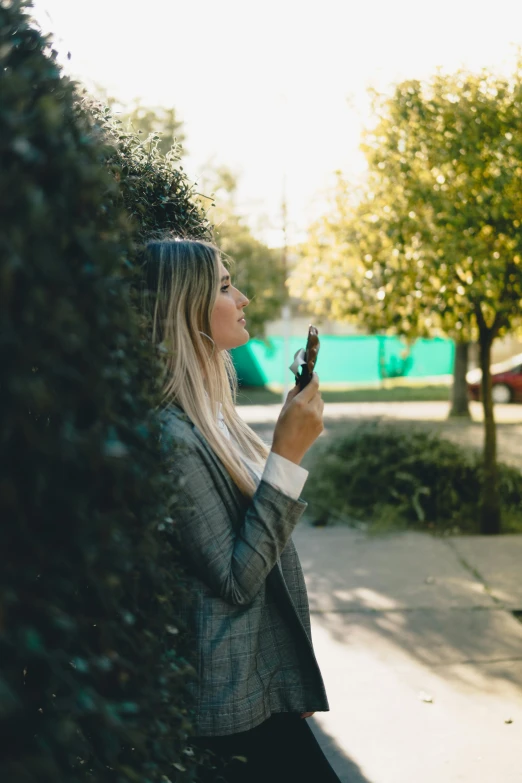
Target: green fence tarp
{"type": "Point", "coordinates": [346, 360]}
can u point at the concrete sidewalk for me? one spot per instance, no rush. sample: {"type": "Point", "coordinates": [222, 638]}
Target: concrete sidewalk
{"type": "Point", "coordinates": [421, 653]}
{"type": "Point", "coordinates": [419, 411]}
{"type": "Point", "coordinates": [339, 417]}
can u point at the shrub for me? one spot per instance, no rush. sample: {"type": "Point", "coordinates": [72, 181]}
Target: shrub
{"type": "Point", "coordinates": [92, 666]}
{"type": "Point", "coordinates": [388, 476]}
{"type": "Point", "coordinates": [154, 190]}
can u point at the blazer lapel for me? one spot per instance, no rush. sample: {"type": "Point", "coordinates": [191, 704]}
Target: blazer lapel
{"type": "Point", "coordinates": [237, 503]}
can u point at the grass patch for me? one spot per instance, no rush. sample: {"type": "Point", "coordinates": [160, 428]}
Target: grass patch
{"type": "Point", "coordinates": [383, 477]}
{"type": "Point", "coordinates": [260, 395]}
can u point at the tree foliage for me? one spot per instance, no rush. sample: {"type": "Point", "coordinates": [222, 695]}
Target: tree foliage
{"type": "Point", "coordinates": [436, 230]}
{"type": "Point", "coordinates": [327, 262]}
{"type": "Point", "coordinates": [145, 121]}
{"type": "Point", "coordinates": [257, 270]}
{"type": "Point", "coordinates": [154, 189]}
{"type": "Point", "coordinates": [450, 153]}
{"type": "Point", "coordinates": [93, 658]}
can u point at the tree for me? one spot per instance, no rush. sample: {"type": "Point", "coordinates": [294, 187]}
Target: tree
{"type": "Point", "coordinates": [257, 270]}
{"type": "Point", "coordinates": [327, 261]}
{"type": "Point", "coordinates": [437, 228]}
{"type": "Point", "coordinates": [330, 258]}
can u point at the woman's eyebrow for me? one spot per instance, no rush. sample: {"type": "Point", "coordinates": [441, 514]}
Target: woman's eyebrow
{"type": "Point", "coordinates": [225, 277]}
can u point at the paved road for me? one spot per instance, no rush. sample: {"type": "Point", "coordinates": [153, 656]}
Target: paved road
{"type": "Point", "coordinates": [421, 654]}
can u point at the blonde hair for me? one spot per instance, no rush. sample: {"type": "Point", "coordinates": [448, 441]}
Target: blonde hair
{"type": "Point", "coordinates": [181, 281]}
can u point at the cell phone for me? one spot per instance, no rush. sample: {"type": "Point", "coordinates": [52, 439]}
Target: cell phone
{"type": "Point", "coordinates": [305, 361]}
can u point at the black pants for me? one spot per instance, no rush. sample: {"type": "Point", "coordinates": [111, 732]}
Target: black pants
{"type": "Point", "coordinates": [283, 749]}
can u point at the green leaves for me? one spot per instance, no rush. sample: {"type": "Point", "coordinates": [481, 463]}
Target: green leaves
{"type": "Point", "coordinates": [93, 683]}
{"type": "Point", "coordinates": [257, 271]}
{"type": "Point", "coordinates": [154, 190]}
{"type": "Point", "coordinates": [435, 229]}
{"type": "Point", "coordinates": [389, 475]}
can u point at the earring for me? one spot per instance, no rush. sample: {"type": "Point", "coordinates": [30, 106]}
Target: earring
{"type": "Point", "coordinates": [212, 341]}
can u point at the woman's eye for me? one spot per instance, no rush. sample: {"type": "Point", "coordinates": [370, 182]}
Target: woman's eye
{"type": "Point", "coordinates": [225, 288]}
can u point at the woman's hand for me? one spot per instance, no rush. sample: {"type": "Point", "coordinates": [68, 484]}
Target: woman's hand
{"type": "Point", "coordinates": [300, 422]}
{"type": "Point", "coordinates": [307, 714]}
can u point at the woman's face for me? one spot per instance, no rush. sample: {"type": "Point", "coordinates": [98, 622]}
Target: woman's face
{"type": "Point", "coordinates": [227, 323]}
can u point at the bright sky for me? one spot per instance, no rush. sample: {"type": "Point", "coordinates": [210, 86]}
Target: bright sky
{"type": "Point", "coordinates": [275, 89]}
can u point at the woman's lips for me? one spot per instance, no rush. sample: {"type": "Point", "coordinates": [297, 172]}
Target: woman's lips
{"type": "Point", "coordinates": [242, 320]}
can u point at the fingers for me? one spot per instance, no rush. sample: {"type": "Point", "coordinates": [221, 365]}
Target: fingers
{"type": "Point", "coordinates": [292, 393]}
{"type": "Point", "coordinates": [311, 389]}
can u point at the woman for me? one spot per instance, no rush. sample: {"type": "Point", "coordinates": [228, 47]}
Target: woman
{"type": "Point", "coordinates": [237, 503]}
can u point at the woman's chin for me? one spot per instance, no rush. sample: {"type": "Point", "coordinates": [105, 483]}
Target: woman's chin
{"type": "Point", "coordinates": [240, 342]}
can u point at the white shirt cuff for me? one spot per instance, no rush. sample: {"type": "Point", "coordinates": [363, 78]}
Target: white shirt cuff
{"type": "Point", "coordinates": [284, 475]}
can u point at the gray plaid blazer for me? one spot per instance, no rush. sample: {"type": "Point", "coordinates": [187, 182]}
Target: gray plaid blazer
{"type": "Point", "coordinates": [248, 608]}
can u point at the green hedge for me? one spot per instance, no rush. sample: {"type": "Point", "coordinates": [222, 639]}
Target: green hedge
{"type": "Point", "coordinates": [386, 476]}
{"type": "Point", "coordinates": [93, 664]}
{"type": "Point", "coordinates": [154, 188]}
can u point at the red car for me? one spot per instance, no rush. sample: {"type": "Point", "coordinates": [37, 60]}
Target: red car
{"type": "Point", "coordinates": [506, 378]}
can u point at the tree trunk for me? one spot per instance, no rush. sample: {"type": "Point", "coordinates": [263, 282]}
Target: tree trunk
{"type": "Point", "coordinates": [459, 393]}
{"type": "Point", "coordinates": [490, 516]}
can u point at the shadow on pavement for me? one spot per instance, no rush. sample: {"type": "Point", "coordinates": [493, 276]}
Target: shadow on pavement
{"type": "Point", "coordinates": [408, 592]}
{"type": "Point", "coordinates": [344, 767]}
